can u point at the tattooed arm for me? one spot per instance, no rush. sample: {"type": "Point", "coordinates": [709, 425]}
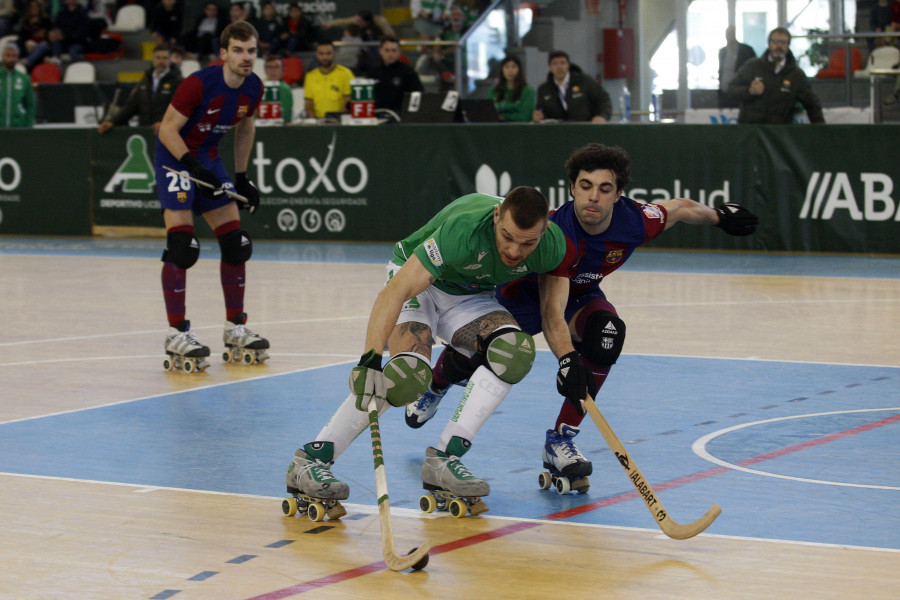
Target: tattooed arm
{"type": "Point", "coordinates": [412, 278]}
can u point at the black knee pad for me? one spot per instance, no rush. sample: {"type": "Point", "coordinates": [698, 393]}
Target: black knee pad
{"type": "Point", "coordinates": [182, 249]}
{"type": "Point", "coordinates": [457, 366]}
{"type": "Point", "coordinates": [236, 247]}
{"type": "Point", "coordinates": [603, 339]}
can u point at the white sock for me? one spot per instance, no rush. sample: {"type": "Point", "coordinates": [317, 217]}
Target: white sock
{"type": "Point", "coordinates": [484, 393]}
{"type": "Point", "coordinates": [345, 424]}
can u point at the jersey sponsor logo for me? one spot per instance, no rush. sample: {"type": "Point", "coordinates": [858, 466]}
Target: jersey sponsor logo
{"type": "Point", "coordinates": [521, 269]}
{"type": "Point", "coordinates": [471, 267]}
{"type": "Point", "coordinates": [587, 278]}
{"type": "Point", "coordinates": [482, 276]}
{"type": "Point", "coordinates": [136, 173]}
{"type": "Point", "coordinates": [433, 252]}
{"type": "Point", "coordinates": [213, 111]}
{"type": "Point", "coordinates": [614, 256]}
{"type": "Point", "coordinates": [651, 211]}
{"type": "Point", "coordinates": [481, 255]}
{"type": "Point", "coordinates": [828, 194]}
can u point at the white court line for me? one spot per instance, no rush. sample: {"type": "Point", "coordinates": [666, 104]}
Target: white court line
{"type": "Point", "coordinates": [699, 448]}
{"type": "Point", "coordinates": [412, 512]}
{"type": "Point", "coordinates": [164, 394]}
{"type": "Point", "coordinates": [160, 355]}
{"type": "Point", "coordinates": [163, 331]}
{"type": "Point", "coordinates": [327, 319]}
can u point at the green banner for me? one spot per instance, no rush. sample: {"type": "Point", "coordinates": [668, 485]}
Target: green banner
{"type": "Point", "coordinates": [45, 182]}
{"type": "Point", "coordinates": [814, 188]}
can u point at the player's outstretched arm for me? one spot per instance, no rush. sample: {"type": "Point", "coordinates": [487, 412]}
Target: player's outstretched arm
{"type": "Point", "coordinates": [688, 211]}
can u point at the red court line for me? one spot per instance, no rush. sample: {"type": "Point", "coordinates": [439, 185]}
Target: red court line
{"type": "Point", "coordinates": [315, 584]}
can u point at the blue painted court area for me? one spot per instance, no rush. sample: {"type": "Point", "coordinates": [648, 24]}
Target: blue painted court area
{"type": "Point", "coordinates": [240, 437]}
{"type": "Point", "coordinates": [747, 263]}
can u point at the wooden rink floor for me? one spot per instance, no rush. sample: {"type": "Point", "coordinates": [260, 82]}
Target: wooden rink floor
{"type": "Point", "coordinates": [137, 518]}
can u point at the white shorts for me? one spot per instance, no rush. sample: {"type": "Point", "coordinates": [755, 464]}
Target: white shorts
{"type": "Point", "coordinates": [445, 313]}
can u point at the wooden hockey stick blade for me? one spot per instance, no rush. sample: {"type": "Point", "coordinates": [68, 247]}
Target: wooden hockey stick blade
{"type": "Point", "coordinates": [677, 531]}
{"type": "Point", "coordinates": [228, 193]}
{"type": "Point", "coordinates": [391, 558]}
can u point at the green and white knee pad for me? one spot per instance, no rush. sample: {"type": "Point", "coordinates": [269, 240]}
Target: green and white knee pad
{"type": "Point", "coordinates": [406, 376]}
{"type": "Point", "coordinates": [509, 353]}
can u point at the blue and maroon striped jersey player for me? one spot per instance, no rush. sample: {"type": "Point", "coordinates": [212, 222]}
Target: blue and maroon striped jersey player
{"type": "Point", "coordinates": [589, 258]}
{"type": "Point", "coordinates": [212, 108]}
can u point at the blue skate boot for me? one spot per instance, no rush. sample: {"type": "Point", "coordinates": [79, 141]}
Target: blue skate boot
{"type": "Point", "coordinates": [420, 412]}
{"type": "Point", "coordinates": [568, 468]}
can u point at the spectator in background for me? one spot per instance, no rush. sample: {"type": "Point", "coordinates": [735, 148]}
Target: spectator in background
{"type": "Point", "coordinates": [70, 31]}
{"type": "Point", "coordinates": [455, 25]}
{"type": "Point", "coordinates": [880, 21]}
{"type": "Point", "coordinates": [150, 98]}
{"type": "Point", "coordinates": [300, 32]}
{"type": "Point", "coordinates": [351, 54]}
{"type": "Point", "coordinates": [512, 96]}
{"type": "Point", "coordinates": [33, 29]}
{"type": "Point", "coordinates": [165, 22]}
{"type": "Point", "coordinates": [7, 16]}
{"type": "Point", "coordinates": [429, 17]}
{"type": "Point", "coordinates": [393, 78]}
{"type": "Point", "coordinates": [277, 104]}
{"type": "Point", "coordinates": [570, 95]}
{"type": "Point", "coordinates": [238, 11]}
{"type": "Point", "coordinates": [271, 30]}
{"type": "Point", "coordinates": [372, 27]}
{"type": "Point", "coordinates": [732, 56]}
{"type": "Point", "coordinates": [431, 65]}
{"type": "Point", "coordinates": [770, 87]}
{"type": "Point", "coordinates": [17, 107]}
{"type": "Point", "coordinates": [177, 53]}
{"type": "Point", "coordinates": [203, 39]}
{"type": "Point", "coordinates": [326, 88]}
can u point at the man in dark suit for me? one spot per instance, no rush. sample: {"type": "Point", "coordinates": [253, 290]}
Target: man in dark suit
{"type": "Point", "coordinates": [731, 57]}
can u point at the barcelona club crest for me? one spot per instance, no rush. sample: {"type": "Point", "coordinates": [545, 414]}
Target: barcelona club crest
{"type": "Point", "coordinates": [242, 110]}
{"type": "Point", "coordinates": [614, 256]}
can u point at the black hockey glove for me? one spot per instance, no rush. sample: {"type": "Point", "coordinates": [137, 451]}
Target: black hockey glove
{"type": "Point", "coordinates": [573, 380]}
{"type": "Point", "coordinates": [734, 219]}
{"type": "Point", "coordinates": [200, 172]}
{"type": "Point", "coordinates": [245, 188]}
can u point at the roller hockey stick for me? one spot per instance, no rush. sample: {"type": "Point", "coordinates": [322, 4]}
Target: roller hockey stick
{"type": "Point", "coordinates": [416, 559]}
{"type": "Point", "coordinates": [228, 193]}
{"type": "Point", "coordinates": [669, 527]}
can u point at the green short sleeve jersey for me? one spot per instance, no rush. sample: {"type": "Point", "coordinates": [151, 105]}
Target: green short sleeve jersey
{"type": "Point", "coordinates": [458, 247]}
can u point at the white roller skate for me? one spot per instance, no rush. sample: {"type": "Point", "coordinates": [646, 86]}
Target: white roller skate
{"type": "Point", "coordinates": [241, 344]}
{"type": "Point", "coordinates": [452, 485]}
{"type": "Point", "coordinates": [567, 465]}
{"type": "Point", "coordinates": [184, 351]}
{"type": "Point", "coordinates": [420, 412]}
{"type": "Point", "coordinates": [313, 488]}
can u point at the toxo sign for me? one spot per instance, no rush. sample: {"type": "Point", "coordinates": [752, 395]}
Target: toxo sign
{"type": "Point", "coordinates": [292, 176]}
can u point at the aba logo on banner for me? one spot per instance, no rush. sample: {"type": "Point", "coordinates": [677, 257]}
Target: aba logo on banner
{"type": "Point", "coordinates": [136, 174]}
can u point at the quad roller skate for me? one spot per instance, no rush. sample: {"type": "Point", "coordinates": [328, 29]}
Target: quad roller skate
{"type": "Point", "coordinates": [241, 344]}
{"type": "Point", "coordinates": [450, 484]}
{"type": "Point", "coordinates": [313, 488]}
{"type": "Point", "coordinates": [184, 352]}
{"type": "Point", "coordinates": [568, 468]}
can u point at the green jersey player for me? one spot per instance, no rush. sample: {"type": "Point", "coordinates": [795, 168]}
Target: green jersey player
{"type": "Point", "coordinates": [441, 285]}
